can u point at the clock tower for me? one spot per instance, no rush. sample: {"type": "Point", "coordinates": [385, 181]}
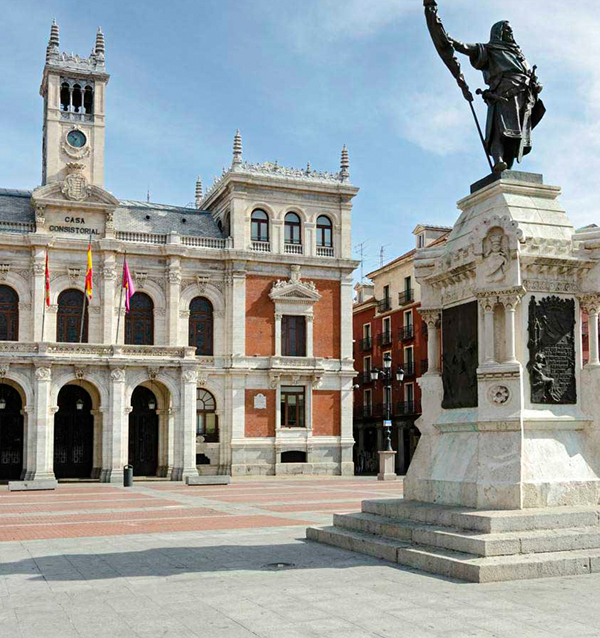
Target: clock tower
{"type": "Point", "coordinates": [73, 89]}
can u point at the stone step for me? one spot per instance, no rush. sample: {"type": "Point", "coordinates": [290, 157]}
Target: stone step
{"type": "Point", "coordinates": [460, 565]}
{"type": "Point", "coordinates": [488, 522]}
{"type": "Point", "coordinates": [501, 544]}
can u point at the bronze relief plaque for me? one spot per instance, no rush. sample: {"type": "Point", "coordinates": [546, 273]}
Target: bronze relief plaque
{"type": "Point", "coordinates": [552, 350]}
{"type": "Point", "coordinates": [460, 356]}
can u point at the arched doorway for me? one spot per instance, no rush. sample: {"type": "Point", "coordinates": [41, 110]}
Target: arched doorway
{"type": "Point", "coordinates": [11, 434]}
{"type": "Point", "coordinates": [143, 433]}
{"type": "Point", "coordinates": [73, 434]}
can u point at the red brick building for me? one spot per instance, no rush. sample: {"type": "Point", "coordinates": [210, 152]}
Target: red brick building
{"type": "Point", "coordinates": [386, 319]}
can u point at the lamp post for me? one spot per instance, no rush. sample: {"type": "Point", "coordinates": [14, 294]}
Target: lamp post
{"type": "Point", "coordinates": [387, 377]}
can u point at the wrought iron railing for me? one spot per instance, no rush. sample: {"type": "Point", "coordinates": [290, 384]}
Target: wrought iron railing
{"type": "Point", "coordinates": [366, 344]}
{"type": "Point", "coordinates": [405, 408]}
{"type": "Point", "coordinates": [408, 296]}
{"type": "Point", "coordinates": [384, 338]}
{"type": "Point", "coordinates": [407, 332]}
{"type": "Point", "coordinates": [385, 304]}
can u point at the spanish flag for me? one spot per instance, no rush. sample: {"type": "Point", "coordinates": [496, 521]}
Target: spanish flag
{"type": "Point", "coordinates": [89, 286]}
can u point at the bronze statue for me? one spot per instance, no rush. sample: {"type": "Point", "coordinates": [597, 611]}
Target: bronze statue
{"type": "Point", "coordinates": [514, 107]}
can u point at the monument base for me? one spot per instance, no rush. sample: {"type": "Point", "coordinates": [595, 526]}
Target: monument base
{"type": "Point", "coordinates": [472, 545]}
{"type": "Point", "coordinates": [387, 464]}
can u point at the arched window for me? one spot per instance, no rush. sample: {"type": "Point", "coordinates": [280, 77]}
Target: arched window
{"type": "Point", "coordinates": [68, 323]}
{"type": "Point", "coordinates": [324, 235]}
{"type": "Point", "coordinates": [207, 422]}
{"type": "Point", "coordinates": [201, 326]}
{"type": "Point", "coordinates": [260, 226]}
{"type": "Point", "coordinates": [77, 98]}
{"type": "Point", "coordinates": [65, 97]}
{"type": "Point", "coordinates": [139, 321]}
{"type": "Point", "coordinates": [88, 100]}
{"type": "Point", "coordinates": [9, 314]}
{"type": "Point", "coordinates": [293, 228]}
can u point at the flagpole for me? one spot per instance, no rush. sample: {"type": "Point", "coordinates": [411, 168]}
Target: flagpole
{"type": "Point", "coordinates": [85, 298]}
{"type": "Point", "coordinates": [121, 299]}
{"type": "Point", "coordinates": [46, 278]}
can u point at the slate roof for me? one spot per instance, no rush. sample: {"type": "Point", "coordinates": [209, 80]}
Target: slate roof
{"type": "Point", "coordinates": [130, 216]}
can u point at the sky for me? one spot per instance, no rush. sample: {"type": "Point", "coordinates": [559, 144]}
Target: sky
{"type": "Point", "coordinates": [300, 80]}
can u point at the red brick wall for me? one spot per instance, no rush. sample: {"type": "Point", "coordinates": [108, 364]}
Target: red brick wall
{"type": "Point", "coordinates": [260, 422]}
{"type": "Point", "coordinates": [260, 321]}
{"type": "Point", "coordinates": [327, 413]}
{"type": "Point", "coordinates": [327, 320]}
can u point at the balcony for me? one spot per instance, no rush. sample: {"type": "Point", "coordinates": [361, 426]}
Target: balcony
{"type": "Point", "coordinates": [406, 333]}
{"type": "Point", "coordinates": [407, 408]}
{"type": "Point", "coordinates": [261, 246]}
{"type": "Point", "coordinates": [292, 249]}
{"type": "Point", "coordinates": [366, 344]}
{"type": "Point", "coordinates": [409, 369]}
{"type": "Point", "coordinates": [95, 350]}
{"type": "Point", "coordinates": [384, 305]}
{"type": "Point", "coordinates": [365, 377]}
{"type": "Point", "coordinates": [325, 251]}
{"type": "Point", "coordinates": [363, 412]}
{"type": "Point", "coordinates": [406, 297]}
{"type": "Point", "coordinates": [384, 339]}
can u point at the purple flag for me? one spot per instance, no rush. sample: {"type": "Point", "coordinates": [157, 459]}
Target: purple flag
{"type": "Point", "coordinates": [128, 285]}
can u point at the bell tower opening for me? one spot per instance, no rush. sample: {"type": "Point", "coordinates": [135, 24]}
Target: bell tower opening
{"type": "Point", "coordinates": [73, 89]}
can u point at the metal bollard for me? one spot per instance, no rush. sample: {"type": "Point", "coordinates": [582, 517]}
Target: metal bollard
{"type": "Point", "coordinates": [128, 476]}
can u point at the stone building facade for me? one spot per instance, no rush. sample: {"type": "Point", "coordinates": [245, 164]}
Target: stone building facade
{"type": "Point", "coordinates": [386, 320]}
{"type": "Point", "coordinates": [236, 356]}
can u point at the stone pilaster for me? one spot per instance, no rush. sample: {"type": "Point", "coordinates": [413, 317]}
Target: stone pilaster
{"type": "Point", "coordinates": [115, 441]}
{"type": "Point", "coordinates": [41, 435]}
{"type": "Point", "coordinates": [184, 463]}
{"type": "Point", "coordinates": [590, 304]}
{"type": "Point", "coordinates": [38, 265]}
{"type": "Point", "coordinates": [510, 300]}
{"type": "Point", "coordinates": [431, 317]}
{"type": "Point", "coordinates": [346, 292]}
{"type": "Point", "coordinates": [173, 294]}
{"type": "Point", "coordinates": [109, 284]}
{"type": "Point", "coordinates": [487, 303]}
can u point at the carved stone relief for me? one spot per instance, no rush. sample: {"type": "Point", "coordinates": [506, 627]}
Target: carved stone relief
{"type": "Point", "coordinates": [552, 350]}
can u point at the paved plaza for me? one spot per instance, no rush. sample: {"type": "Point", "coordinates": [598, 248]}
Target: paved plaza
{"type": "Point", "coordinates": [169, 561]}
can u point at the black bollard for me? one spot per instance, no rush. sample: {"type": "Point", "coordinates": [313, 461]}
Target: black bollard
{"type": "Point", "coordinates": [128, 476]}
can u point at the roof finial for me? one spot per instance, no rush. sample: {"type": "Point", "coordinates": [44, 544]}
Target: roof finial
{"type": "Point", "coordinates": [99, 48]}
{"type": "Point", "coordinates": [345, 164]}
{"type": "Point", "coordinates": [54, 41]}
{"type": "Point", "coordinates": [199, 196]}
{"type": "Point", "coordinates": [237, 150]}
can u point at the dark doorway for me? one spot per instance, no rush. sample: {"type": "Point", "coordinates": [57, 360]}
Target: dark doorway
{"type": "Point", "coordinates": [73, 434]}
{"type": "Point", "coordinates": [143, 433]}
{"type": "Point", "coordinates": [11, 434]}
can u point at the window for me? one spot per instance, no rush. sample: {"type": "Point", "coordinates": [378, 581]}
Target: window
{"type": "Point", "coordinates": [387, 323]}
{"type": "Point", "coordinates": [201, 326]}
{"type": "Point", "coordinates": [293, 336]}
{"type": "Point", "coordinates": [88, 100]}
{"type": "Point", "coordinates": [9, 314]}
{"type": "Point", "coordinates": [408, 318]}
{"type": "Point", "coordinates": [68, 320]}
{"type": "Point", "coordinates": [293, 228]}
{"type": "Point", "coordinates": [65, 97]}
{"type": "Point", "coordinates": [386, 292]}
{"type": "Point", "coordinates": [367, 331]}
{"type": "Point", "coordinates": [409, 362]}
{"type": "Point", "coordinates": [292, 407]}
{"type": "Point", "coordinates": [260, 226]}
{"type": "Point", "coordinates": [367, 364]}
{"type": "Point", "coordinates": [207, 423]}
{"type": "Point", "coordinates": [324, 235]}
{"type": "Point", "coordinates": [76, 99]}
{"type": "Point", "coordinates": [409, 393]}
{"type": "Point", "coordinates": [139, 322]}
{"type": "Point", "coordinates": [407, 284]}
{"type": "Point", "coordinates": [420, 240]}
{"type": "Point", "coordinates": [367, 398]}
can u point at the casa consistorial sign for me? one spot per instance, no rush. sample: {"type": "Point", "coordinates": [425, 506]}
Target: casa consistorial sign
{"type": "Point", "coordinates": [75, 223]}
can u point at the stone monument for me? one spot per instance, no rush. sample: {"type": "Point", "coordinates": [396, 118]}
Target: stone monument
{"type": "Point", "coordinates": [505, 482]}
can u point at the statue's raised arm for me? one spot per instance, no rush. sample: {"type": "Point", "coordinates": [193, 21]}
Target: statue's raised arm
{"type": "Point", "coordinates": [512, 97]}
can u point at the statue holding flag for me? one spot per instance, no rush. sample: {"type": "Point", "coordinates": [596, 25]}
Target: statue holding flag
{"type": "Point", "coordinates": [514, 107]}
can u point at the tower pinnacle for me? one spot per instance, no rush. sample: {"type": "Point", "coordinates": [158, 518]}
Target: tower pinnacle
{"type": "Point", "coordinates": [199, 195]}
{"type": "Point", "coordinates": [99, 48]}
{"type": "Point", "coordinates": [345, 164]}
{"type": "Point", "coordinates": [54, 41]}
{"type": "Point", "coordinates": [237, 150]}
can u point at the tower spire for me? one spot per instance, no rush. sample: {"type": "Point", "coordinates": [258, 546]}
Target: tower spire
{"type": "Point", "coordinates": [54, 41]}
{"type": "Point", "coordinates": [199, 196]}
{"type": "Point", "coordinates": [99, 48]}
{"type": "Point", "coordinates": [345, 164]}
{"type": "Point", "coordinates": [237, 150]}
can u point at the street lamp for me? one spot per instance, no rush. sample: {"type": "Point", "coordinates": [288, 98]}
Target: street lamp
{"type": "Point", "coordinates": [387, 365]}
{"type": "Point", "coordinates": [79, 404]}
{"type": "Point", "coordinates": [400, 374]}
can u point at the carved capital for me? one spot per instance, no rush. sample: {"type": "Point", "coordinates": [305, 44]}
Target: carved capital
{"type": "Point", "coordinates": [117, 375]}
{"type": "Point", "coordinates": [510, 299]}
{"type": "Point", "coordinates": [52, 309]}
{"type": "Point", "coordinates": [38, 267]}
{"type": "Point", "coordinates": [190, 376]}
{"type": "Point", "coordinates": [590, 304]}
{"type": "Point", "coordinates": [43, 373]}
{"type": "Point", "coordinates": [431, 316]}
{"type": "Point", "coordinates": [184, 314]}
{"type": "Point", "coordinates": [174, 276]}
{"type": "Point", "coordinates": [109, 273]}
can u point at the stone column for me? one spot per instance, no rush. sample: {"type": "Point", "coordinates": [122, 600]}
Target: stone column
{"type": "Point", "coordinates": [236, 308]}
{"type": "Point", "coordinates": [28, 448]}
{"type": "Point", "coordinates": [488, 303]}
{"type": "Point", "coordinates": [510, 303]}
{"type": "Point", "coordinates": [346, 427]}
{"type": "Point", "coordinates": [184, 463]}
{"type": "Point", "coordinates": [278, 318]}
{"type": "Point", "coordinates": [346, 291]}
{"type": "Point", "coordinates": [432, 317]}
{"type": "Point", "coordinates": [109, 283]}
{"type": "Point", "coordinates": [173, 293]}
{"type": "Point", "coordinates": [115, 441]}
{"type": "Point", "coordinates": [309, 335]}
{"type": "Point", "coordinates": [42, 429]}
{"type": "Point", "coordinates": [38, 264]}
{"type": "Point", "coordinates": [590, 304]}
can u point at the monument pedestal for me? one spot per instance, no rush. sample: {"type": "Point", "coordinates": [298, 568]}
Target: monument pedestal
{"type": "Point", "coordinates": [387, 465]}
{"type": "Point", "coordinates": [505, 481]}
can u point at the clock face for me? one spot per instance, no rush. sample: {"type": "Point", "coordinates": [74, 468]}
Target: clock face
{"type": "Point", "coordinates": [76, 139]}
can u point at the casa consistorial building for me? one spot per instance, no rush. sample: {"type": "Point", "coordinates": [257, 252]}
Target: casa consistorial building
{"type": "Point", "coordinates": [236, 354]}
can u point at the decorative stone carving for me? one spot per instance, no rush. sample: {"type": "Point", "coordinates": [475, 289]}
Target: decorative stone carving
{"type": "Point", "coordinates": [294, 291]}
{"type": "Point", "coordinates": [184, 314]}
{"type": "Point", "coordinates": [552, 350]}
{"type": "Point", "coordinates": [495, 260]}
{"type": "Point", "coordinates": [159, 311]}
{"type": "Point", "coordinates": [4, 368]}
{"type": "Point", "coordinates": [4, 270]}
{"type": "Point", "coordinates": [153, 372]}
{"type": "Point", "coordinates": [72, 152]}
{"type": "Point", "coordinates": [190, 376]}
{"type": "Point", "coordinates": [109, 221]}
{"type": "Point", "coordinates": [431, 316]}
{"type": "Point", "coordinates": [40, 214]}
{"type": "Point", "coordinates": [499, 395]}
{"type": "Point", "coordinates": [24, 307]}
{"type": "Point", "coordinates": [80, 372]}
{"type": "Point", "coordinates": [140, 277]}
{"type": "Point", "coordinates": [74, 275]}
{"type": "Point", "coordinates": [43, 374]}
{"type": "Point", "coordinates": [202, 381]}
{"type": "Point", "coordinates": [117, 375]}
{"type": "Point", "coordinates": [460, 356]}
{"type": "Point", "coordinates": [590, 304]}
{"type": "Point", "coordinates": [174, 276]}
{"type": "Point", "coordinates": [75, 186]}
{"type": "Point", "coordinates": [260, 402]}
{"type": "Point", "coordinates": [202, 282]}
{"type": "Point", "coordinates": [52, 309]}
{"type": "Point", "coordinates": [109, 273]}
{"type": "Point", "coordinates": [38, 267]}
